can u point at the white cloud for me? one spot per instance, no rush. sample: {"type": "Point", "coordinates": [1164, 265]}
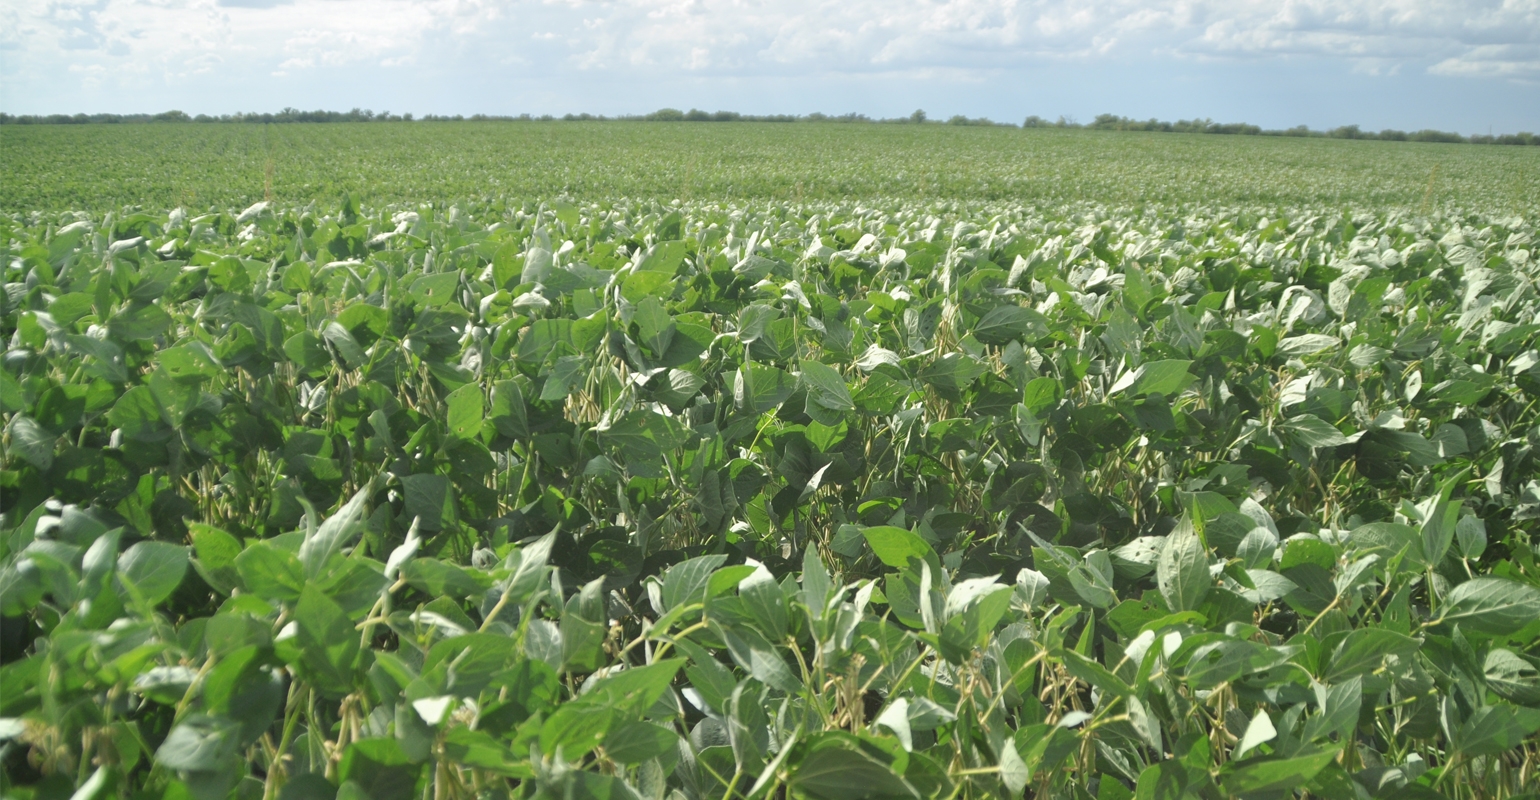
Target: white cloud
{"type": "Point", "coordinates": [174, 39]}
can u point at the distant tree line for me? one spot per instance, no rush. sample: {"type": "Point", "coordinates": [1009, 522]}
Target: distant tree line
{"type": "Point", "coordinates": [286, 115]}
{"type": "Point", "coordinates": [1111, 122]}
{"type": "Point", "coordinates": [1103, 122]}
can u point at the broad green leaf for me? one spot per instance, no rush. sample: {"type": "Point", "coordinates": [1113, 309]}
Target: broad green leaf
{"type": "Point", "coordinates": [137, 322]}
{"type": "Point", "coordinates": [190, 361]}
{"type": "Point", "coordinates": [826, 386]}
{"type": "Point", "coordinates": [1003, 324]}
{"type": "Point", "coordinates": [151, 571]}
{"type": "Point", "coordinates": [816, 585]}
{"type": "Point", "coordinates": [330, 536]}
{"type": "Point", "coordinates": [686, 581]}
{"type": "Point", "coordinates": [32, 442]}
{"type": "Point", "coordinates": [199, 743]}
{"type": "Point", "coordinates": [758, 388]}
{"type": "Point", "coordinates": [896, 546]}
{"type": "Point", "coordinates": [327, 641]}
{"type": "Point", "coordinates": [1497, 606]}
{"type": "Point", "coordinates": [757, 656]}
{"type": "Point", "coordinates": [467, 408]}
{"type": "Point", "coordinates": [432, 291]}
{"type": "Point", "coordinates": [1181, 571]}
{"type": "Point", "coordinates": [1259, 731]}
{"type": "Point", "coordinates": [1166, 378]}
{"type": "Point", "coordinates": [952, 373]}
{"type": "Point", "coordinates": [639, 741]}
{"type": "Point", "coordinates": [577, 728]}
{"type": "Point", "coordinates": [636, 689]}
{"type": "Point", "coordinates": [1312, 431]}
{"type": "Point", "coordinates": [1307, 344]}
{"type": "Point", "coordinates": [1273, 774]}
{"type": "Point", "coordinates": [765, 602]}
{"type": "Point", "coordinates": [216, 552]}
{"type": "Point", "coordinates": [835, 773]}
{"type": "Point", "coordinates": [1495, 729]}
{"type": "Point", "coordinates": [138, 414]}
{"type": "Point", "coordinates": [270, 573]}
{"type": "Point", "coordinates": [1362, 651]}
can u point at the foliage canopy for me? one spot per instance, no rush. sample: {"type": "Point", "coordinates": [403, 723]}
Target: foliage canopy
{"type": "Point", "coordinates": [756, 500]}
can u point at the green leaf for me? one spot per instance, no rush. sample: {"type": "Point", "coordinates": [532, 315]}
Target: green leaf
{"type": "Point", "coordinates": [643, 438]}
{"type": "Point", "coordinates": [895, 546]}
{"type": "Point", "coordinates": [1496, 606]}
{"type": "Point", "coordinates": [826, 386]}
{"type": "Point", "coordinates": [1258, 731]}
{"type": "Point", "coordinates": [816, 585]}
{"type": "Point", "coordinates": [32, 442]}
{"type": "Point", "coordinates": [663, 257]}
{"type": "Point", "coordinates": [758, 388]}
{"type": "Point", "coordinates": [364, 322]}
{"type": "Point", "coordinates": [216, 552]}
{"type": "Point", "coordinates": [1273, 774]}
{"type": "Point", "coordinates": [321, 544]}
{"type": "Point", "coordinates": [432, 291]}
{"type": "Point", "coordinates": [565, 375]}
{"type": "Point", "coordinates": [1166, 780]}
{"type": "Point", "coordinates": [1166, 378]}
{"type": "Point", "coordinates": [199, 743]}
{"type": "Point", "coordinates": [1041, 394]}
{"type": "Point", "coordinates": [190, 361]}
{"type": "Point", "coordinates": [1181, 570]}
{"type": "Point", "coordinates": [139, 415]}
{"type": "Point", "coordinates": [1440, 517]}
{"type": "Point", "coordinates": [270, 573]}
{"type": "Point", "coordinates": [1307, 344]}
{"type": "Point", "coordinates": [758, 657]}
{"type": "Point", "coordinates": [151, 571]}
{"type": "Point", "coordinates": [764, 600]}
{"type": "Point", "coordinates": [1004, 324]}
{"type": "Point", "coordinates": [686, 581]}
{"type": "Point", "coordinates": [1512, 677]}
{"type": "Point", "coordinates": [328, 643]}
{"type": "Point", "coordinates": [1389, 539]}
{"type": "Point", "coordinates": [1491, 730]}
{"type": "Point", "coordinates": [340, 338]}
{"type": "Point", "coordinates": [835, 773]}
{"type": "Point", "coordinates": [952, 373]}
{"type": "Point", "coordinates": [427, 499]}
{"type": "Point", "coordinates": [100, 785]}
{"type": "Point", "coordinates": [138, 322]}
{"type": "Point", "coordinates": [306, 351]}
{"type": "Point", "coordinates": [509, 413]}
{"type": "Point", "coordinates": [636, 689]}
{"type": "Point", "coordinates": [1363, 650]}
{"type": "Point", "coordinates": [1312, 431]}
{"type": "Point", "coordinates": [636, 742]}
{"type": "Point", "coordinates": [576, 728]}
{"type": "Point", "coordinates": [466, 411]}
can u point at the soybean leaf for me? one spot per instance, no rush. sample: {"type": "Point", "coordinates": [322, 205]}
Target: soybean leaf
{"type": "Point", "coordinates": [151, 571]}
{"type": "Point", "coordinates": [835, 773]}
{"type": "Point", "coordinates": [340, 528]}
{"type": "Point", "coordinates": [1181, 571]}
{"type": "Point", "coordinates": [1497, 606]}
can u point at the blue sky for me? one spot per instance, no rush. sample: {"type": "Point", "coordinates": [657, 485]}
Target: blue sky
{"type": "Point", "coordinates": [1409, 64]}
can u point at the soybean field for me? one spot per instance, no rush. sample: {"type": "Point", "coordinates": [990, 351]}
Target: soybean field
{"type": "Point", "coordinates": [438, 461]}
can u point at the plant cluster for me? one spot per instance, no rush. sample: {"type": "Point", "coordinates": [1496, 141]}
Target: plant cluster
{"type": "Point", "coordinates": [768, 500]}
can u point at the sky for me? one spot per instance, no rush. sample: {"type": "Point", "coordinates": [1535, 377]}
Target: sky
{"type": "Point", "coordinates": [1472, 67]}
